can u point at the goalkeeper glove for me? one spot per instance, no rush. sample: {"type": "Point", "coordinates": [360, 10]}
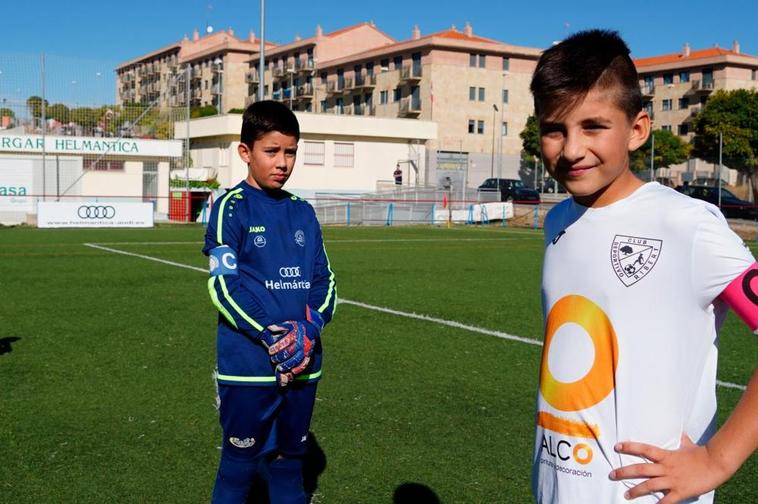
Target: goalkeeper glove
{"type": "Point", "coordinates": [292, 352]}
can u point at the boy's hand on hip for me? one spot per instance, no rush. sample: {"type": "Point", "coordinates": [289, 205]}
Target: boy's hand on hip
{"type": "Point", "coordinates": [686, 472]}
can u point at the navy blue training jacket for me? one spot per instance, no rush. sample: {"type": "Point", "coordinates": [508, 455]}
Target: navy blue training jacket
{"type": "Point", "coordinates": [282, 267]}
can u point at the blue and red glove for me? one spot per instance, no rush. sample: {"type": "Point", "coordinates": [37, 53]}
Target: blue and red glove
{"type": "Point", "coordinates": [292, 352]}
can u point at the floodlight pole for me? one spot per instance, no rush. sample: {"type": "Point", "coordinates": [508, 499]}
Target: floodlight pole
{"type": "Point", "coordinates": [494, 126]}
{"type": "Point", "coordinates": [721, 144]}
{"type": "Point", "coordinates": [652, 157]}
{"type": "Point", "coordinates": [44, 130]}
{"type": "Point", "coordinates": [187, 80]}
{"type": "Point", "coordinates": [262, 59]}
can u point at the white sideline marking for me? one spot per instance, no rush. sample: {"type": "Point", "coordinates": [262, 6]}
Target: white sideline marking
{"type": "Point", "coordinates": [450, 323]}
{"type": "Point", "coordinates": [149, 258]}
{"type": "Point", "coordinates": [426, 318]}
{"type": "Point", "coordinates": [367, 240]}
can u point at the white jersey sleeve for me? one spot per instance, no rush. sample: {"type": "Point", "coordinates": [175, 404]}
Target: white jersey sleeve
{"type": "Point", "coordinates": [718, 256]}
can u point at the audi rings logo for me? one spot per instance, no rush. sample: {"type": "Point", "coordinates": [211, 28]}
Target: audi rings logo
{"type": "Point", "coordinates": [96, 212]}
{"type": "Point", "coordinates": [289, 272]}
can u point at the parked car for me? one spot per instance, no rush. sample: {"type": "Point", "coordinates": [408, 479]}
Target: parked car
{"type": "Point", "coordinates": [731, 206]}
{"type": "Point", "coordinates": [551, 186]}
{"type": "Point", "coordinates": [526, 196]}
{"type": "Point", "coordinates": [506, 187]}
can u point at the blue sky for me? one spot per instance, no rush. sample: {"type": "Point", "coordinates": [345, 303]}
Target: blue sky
{"type": "Point", "coordinates": [83, 40]}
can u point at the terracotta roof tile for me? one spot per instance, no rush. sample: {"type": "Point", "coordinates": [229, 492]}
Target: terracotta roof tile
{"type": "Point", "coordinates": [676, 57]}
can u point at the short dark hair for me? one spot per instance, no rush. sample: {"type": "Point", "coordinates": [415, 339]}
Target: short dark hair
{"type": "Point", "coordinates": [266, 116]}
{"type": "Point", "coordinates": [570, 69]}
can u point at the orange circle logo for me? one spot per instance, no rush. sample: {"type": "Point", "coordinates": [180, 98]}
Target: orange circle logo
{"type": "Point", "coordinates": [585, 458]}
{"type": "Point", "coordinates": [599, 381]}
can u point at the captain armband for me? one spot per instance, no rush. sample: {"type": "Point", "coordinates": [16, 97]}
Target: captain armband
{"type": "Point", "coordinates": [223, 261]}
{"type": "Point", "coordinates": [742, 296]}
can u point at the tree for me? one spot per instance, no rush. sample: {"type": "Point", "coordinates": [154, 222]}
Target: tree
{"type": "Point", "coordinates": [59, 112]}
{"type": "Point", "coordinates": [669, 150]}
{"type": "Point", "coordinates": [735, 114]}
{"type": "Point", "coordinates": [6, 112]}
{"type": "Point", "coordinates": [35, 106]}
{"type": "Point", "coordinates": [530, 140]}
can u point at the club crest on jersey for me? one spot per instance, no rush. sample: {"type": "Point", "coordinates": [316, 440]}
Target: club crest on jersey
{"type": "Point", "coordinates": [300, 237]}
{"type": "Point", "coordinates": [633, 257]}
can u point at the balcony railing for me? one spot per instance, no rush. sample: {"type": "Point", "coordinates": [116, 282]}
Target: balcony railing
{"type": "Point", "coordinates": [648, 90]}
{"type": "Point", "coordinates": [251, 77]}
{"type": "Point", "coordinates": [365, 81]}
{"type": "Point", "coordinates": [409, 106]}
{"type": "Point", "coordinates": [702, 86]}
{"type": "Point", "coordinates": [348, 85]}
{"type": "Point", "coordinates": [216, 89]}
{"type": "Point", "coordinates": [304, 65]}
{"type": "Point", "coordinates": [410, 73]}
{"type": "Point", "coordinates": [197, 73]}
{"type": "Point", "coordinates": [334, 87]}
{"type": "Point", "coordinates": [304, 91]}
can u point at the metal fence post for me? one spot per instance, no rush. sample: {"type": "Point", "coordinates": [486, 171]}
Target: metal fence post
{"type": "Point", "coordinates": [348, 214]}
{"type": "Point", "coordinates": [389, 214]}
{"type": "Point", "coordinates": [504, 222]}
{"type": "Point", "coordinates": [434, 206]}
{"type": "Point", "coordinates": [536, 217]}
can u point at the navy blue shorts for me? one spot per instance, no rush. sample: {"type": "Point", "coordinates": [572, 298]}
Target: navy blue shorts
{"type": "Point", "coordinates": [260, 420]}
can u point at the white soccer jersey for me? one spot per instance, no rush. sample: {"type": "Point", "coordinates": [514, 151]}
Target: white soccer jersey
{"type": "Point", "coordinates": [631, 336]}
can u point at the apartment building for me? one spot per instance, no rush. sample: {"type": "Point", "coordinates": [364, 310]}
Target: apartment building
{"type": "Point", "coordinates": [675, 86]}
{"type": "Point", "coordinates": [476, 89]}
{"type": "Point", "coordinates": [214, 65]}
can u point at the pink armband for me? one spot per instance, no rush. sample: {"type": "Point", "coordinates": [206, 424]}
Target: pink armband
{"type": "Point", "coordinates": [742, 296]}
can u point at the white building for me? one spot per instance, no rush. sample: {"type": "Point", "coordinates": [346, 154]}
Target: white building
{"type": "Point", "coordinates": [336, 154]}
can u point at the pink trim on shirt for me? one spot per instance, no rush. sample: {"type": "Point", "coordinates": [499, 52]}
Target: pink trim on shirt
{"type": "Point", "coordinates": [742, 296]}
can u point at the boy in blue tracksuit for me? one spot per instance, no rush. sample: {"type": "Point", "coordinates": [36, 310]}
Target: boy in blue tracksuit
{"type": "Point", "coordinates": [274, 289]}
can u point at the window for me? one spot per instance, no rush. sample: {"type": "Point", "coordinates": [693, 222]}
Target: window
{"type": "Point", "coordinates": [385, 65]}
{"type": "Point", "coordinates": [370, 69]}
{"type": "Point", "coordinates": [666, 127]}
{"type": "Point", "coordinates": [324, 106]}
{"type": "Point", "coordinates": [480, 127]}
{"type": "Point", "coordinates": [397, 61]}
{"type": "Point", "coordinates": [384, 97]}
{"type": "Point", "coordinates": [223, 156]}
{"type": "Point", "coordinates": [313, 153]}
{"type": "Point", "coordinates": [505, 96]}
{"type": "Point", "coordinates": [683, 129]}
{"type": "Point", "coordinates": [755, 74]}
{"type": "Point", "coordinates": [684, 76]}
{"type": "Point", "coordinates": [104, 165]}
{"type": "Point", "coordinates": [504, 129]}
{"type": "Point", "coordinates": [684, 103]}
{"type": "Point", "coordinates": [482, 60]}
{"type": "Point", "coordinates": [481, 94]}
{"type": "Point", "coordinates": [397, 94]}
{"type": "Point", "coordinates": [323, 77]}
{"type": "Point", "coordinates": [471, 125]}
{"type": "Point", "coordinates": [668, 78]}
{"type": "Point", "coordinates": [472, 60]}
{"type": "Point", "coordinates": [472, 93]}
{"type": "Point", "coordinates": [667, 104]}
{"type": "Point", "coordinates": [648, 106]}
{"type": "Point", "coordinates": [343, 155]}
{"type": "Point", "coordinates": [506, 63]}
{"type": "Point", "coordinates": [340, 105]}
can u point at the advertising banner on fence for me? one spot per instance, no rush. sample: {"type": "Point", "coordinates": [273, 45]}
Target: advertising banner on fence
{"type": "Point", "coordinates": [92, 214]}
{"type": "Point", "coordinates": [16, 185]}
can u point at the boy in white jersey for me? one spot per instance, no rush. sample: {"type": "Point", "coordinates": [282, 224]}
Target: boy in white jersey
{"type": "Point", "coordinates": [637, 279]}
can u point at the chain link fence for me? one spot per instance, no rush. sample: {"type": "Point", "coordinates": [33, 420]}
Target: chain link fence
{"type": "Point", "coordinates": [65, 137]}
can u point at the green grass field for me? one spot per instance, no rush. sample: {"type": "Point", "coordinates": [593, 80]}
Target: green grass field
{"type": "Point", "coordinates": [105, 367]}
